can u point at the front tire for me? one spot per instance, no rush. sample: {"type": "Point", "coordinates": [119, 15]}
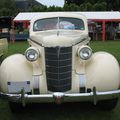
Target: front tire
{"type": "Point", "coordinates": [107, 104]}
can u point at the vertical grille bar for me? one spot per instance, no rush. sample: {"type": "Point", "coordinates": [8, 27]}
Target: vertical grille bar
{"type": "Point", "coordinates": [58, 68]}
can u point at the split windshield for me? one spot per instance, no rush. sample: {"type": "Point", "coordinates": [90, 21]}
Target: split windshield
{"type": "Point", "coordinates": [58, 23]}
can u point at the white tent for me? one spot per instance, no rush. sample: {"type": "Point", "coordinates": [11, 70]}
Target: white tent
{"type": "Point", "coordinates": [23, 16]}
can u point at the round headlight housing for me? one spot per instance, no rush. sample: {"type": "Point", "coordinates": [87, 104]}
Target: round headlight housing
{"type": "Point", "coordinates": [32, 54]}
{"type": "Point", "coordinates": [85, 52]}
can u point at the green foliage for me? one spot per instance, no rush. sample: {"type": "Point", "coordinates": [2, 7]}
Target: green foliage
{"type": "Point", "coordinates": [114, 5]}
{"type": "Point", "coordinates": [39, 9]}
{"type": "Point", "coordinates": [53, 8]}
{"type": "Point", "coordinates": [85, 6]}
{"type": "Point", "coordinates": [71, 7]}
{"type": "Point", "coordinates": [7, 7]}
{"type": "Point", "coordinates": [100, 6]}
{"type": "Point", "coordinates": [89, 6]}
{"type": "Point", "coordinates": [97, 5]}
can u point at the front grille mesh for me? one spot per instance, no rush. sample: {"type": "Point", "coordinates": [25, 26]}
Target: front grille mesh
{"type": "Point", "coordinates": [58, 68]}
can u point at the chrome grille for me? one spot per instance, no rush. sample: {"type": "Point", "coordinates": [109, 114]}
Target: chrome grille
{"type": "Point", "coordinates": [58, 68]}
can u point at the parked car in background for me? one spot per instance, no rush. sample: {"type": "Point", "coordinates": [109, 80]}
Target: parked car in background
{"type": "Point", "coordinates": [60, 66]}
{"type": "Point", "coordinates": [5, 27]}
{"type": "Point", "coordinates": [3, 46]}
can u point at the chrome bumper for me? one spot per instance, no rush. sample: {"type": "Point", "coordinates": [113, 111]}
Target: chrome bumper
{"type": "Point", "coordinates": [59, 97]}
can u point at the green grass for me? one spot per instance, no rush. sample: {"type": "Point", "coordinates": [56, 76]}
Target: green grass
{"type": "Point", "coordinates": [83, 111]}
{"type": "Point", "coordinates": [17, 47]}
{"type": "Point", "coordinates": [112, 47]}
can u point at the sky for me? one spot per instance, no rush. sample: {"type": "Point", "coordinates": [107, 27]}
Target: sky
{"type": "Point", "coordinates": [48, 3]}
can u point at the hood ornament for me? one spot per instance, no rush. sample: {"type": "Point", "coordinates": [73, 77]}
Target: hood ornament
{"type": "Point", "coordinates": [58, 51]}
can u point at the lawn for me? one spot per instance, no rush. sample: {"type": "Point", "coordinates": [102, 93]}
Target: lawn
{"type": "Point", "coordinates": [17, 47]}
{"type": "Point", "coordinates": [74, 111]}
{"type": "Point", "coordinates": [112, 47]}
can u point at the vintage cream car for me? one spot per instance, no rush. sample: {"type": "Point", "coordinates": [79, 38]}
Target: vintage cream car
{"type": "Point", "coordinates": [59, 66]}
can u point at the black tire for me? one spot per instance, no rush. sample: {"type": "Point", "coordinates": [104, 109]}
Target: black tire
{"type": "Point", "coordinates": [15, 107]}
{"type": "Point", "coordinates": [107, 104]}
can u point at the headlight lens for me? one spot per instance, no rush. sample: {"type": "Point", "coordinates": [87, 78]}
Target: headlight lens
{"type": "Point", "coordinates": [85, 53]}
{"type": "Point", "coordinates": [32, 54]}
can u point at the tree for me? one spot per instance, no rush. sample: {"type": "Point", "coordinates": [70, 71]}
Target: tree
{"type": "Point", "coordinates": [100, 6]}
{"type": "Point", "coordinates": [71, 7]}
{"type": "Point", "coordinates": [89, 6]}
{"type": "Point", "coordinates": [113, 5]}
{"type": "Point", "coordinates": [7, 8]}
{"type": "Point", "coordinates": [77, 2]}
{"type": "Point", "coordinates": [108, 4]}
{"type": "Point", "coordinates": [39, 9]}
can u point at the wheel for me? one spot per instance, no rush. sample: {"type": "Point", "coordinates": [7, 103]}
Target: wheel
{"type": "Point", "coordinates": [107, 104]}
{"type": "Point", "coordinates": [16, 107]}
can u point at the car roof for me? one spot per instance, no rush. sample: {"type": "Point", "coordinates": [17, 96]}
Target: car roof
{"type": "Point", "coordinates": [58, 14]}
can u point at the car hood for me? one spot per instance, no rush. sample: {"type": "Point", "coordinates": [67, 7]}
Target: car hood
{"type": "Point", "coordinates": [53, 39]}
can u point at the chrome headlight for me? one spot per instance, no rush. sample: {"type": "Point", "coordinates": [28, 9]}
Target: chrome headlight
{"type": "Point", "coordinates": [85, 52]}
{"type": "Point", "coordinates": [32, 54]}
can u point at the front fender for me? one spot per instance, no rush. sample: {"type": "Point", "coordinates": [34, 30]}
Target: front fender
{"type": "Point", "coordinates": [103, 72]}
{"type": "Point", "coordinates": [15, 68]}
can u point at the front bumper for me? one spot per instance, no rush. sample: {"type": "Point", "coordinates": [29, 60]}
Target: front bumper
{"type": "Point", "coordinates": [59, 97]}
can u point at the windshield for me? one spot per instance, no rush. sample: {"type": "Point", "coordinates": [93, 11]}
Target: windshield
{"type": "Point", "coordinates": [58, 23]}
